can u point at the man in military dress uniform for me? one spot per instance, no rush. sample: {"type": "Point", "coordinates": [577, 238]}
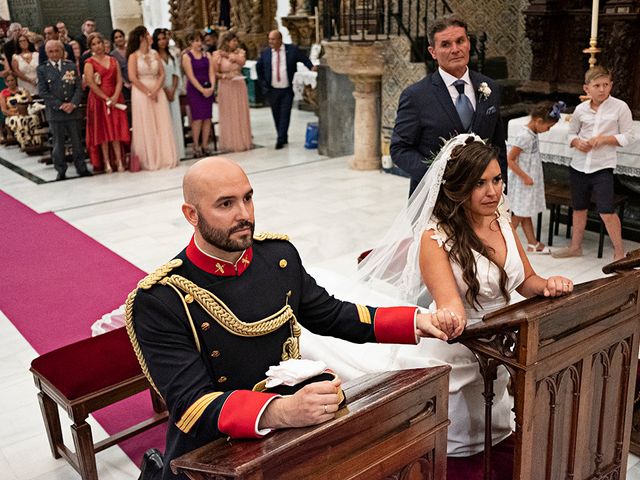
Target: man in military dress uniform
{"type": "Point", "coordinates": [207, 325]}
{"type": "Point", "coordinates": [61, 88]}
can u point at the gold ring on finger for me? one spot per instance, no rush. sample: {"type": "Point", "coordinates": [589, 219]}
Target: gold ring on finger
{"type": "Point", "coordinates": [325, 409]}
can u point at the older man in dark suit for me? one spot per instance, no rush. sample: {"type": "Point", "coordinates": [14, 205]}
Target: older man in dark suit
{"type": "Point", "coordinates": [60, 86]}
{"type": "Point", "coordinates": [447, 102]}
{"type": "Point", "coordinates": [276, 68]}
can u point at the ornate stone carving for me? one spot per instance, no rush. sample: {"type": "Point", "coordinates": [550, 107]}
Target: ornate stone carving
{"type": "Point", "coordinates": [302, 29]}
{"type": "Point", "coordinates": [622, 60]}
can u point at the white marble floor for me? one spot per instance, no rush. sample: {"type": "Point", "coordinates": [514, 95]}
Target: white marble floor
{"type": "Point", "coordinates": [331, 213]}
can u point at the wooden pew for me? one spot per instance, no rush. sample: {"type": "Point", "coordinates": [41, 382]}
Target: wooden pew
{"type": "Point", "coordinates": [573, 364]}
{"type": "Point", "coordinates": [394, 425]}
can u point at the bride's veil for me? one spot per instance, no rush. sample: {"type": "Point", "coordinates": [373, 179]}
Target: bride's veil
{"type": "Point", "coordinates": [393, 266]}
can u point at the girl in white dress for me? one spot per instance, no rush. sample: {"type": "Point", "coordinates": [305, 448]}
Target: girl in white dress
{"type": "Point", "coordinates": [455, 240]}
{"type": "Point", "coordinates": [526, 179]}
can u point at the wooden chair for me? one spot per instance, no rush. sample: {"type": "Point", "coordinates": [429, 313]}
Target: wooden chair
{"type": "Point", "coordinates": [557, 195]}
{"type": "Point", "coordinates": [83, 377]}
{"type": "Point", "coordinates": [184, 112]}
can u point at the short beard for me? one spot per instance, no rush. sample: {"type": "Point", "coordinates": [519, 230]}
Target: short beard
{"type": "Point", "coordinates": [221, 239]}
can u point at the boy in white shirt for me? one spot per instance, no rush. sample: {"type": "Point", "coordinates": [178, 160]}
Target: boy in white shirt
{"type": "Point", "coordinates": [597, 128]}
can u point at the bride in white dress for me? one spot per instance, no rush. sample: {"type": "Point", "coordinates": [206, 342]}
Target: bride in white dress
{"type": "Point", "coordinates": [454, 244]}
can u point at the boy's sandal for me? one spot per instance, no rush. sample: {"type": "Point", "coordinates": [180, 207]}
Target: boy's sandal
{"type": "Point", "coordinates": [538, 249]}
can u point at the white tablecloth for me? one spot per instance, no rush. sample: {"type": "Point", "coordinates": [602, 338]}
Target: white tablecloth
{"type": "Point", "coordinates": [302, 78]}
{"type": "Point", "coordinates": [253, 72]}
{"type": "Point", "coordinates": [554, 147]}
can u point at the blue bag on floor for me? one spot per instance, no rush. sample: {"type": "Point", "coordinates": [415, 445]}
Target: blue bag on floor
{"type": "Point", "coordinates": [311, 137]}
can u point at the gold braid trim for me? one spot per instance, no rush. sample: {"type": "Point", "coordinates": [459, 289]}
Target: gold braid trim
{"type": "Point", "coordinates": [270, 236]}
{"type": "Point", "coordinates": [146, 283]}
{"type": "Point", "coordinates": [225, 317]}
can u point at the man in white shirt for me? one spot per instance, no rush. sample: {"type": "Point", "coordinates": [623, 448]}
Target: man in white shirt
{"type": "Point", "coordinates": [598, 127]}
{"type": "Point", "coordinates": [276, 67]}
{"type": "Point", "coordinates": [449, 101]}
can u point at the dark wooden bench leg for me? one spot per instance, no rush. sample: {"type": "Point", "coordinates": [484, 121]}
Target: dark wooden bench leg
{"type": "Point", "coordinates": [552, 216]}
{"type": "Point", "coordinates": [601, 239]}
{"type": "Point", "coordinates": [569, 222]}
{"type": "Point", "coordinates": [51, 418]}
{"type": "Point", "coordinates": [539, 227]}
{"type": "Point", "coordinates": [214, 137]}
{"type": "Point", "coordinates": [83, 441]}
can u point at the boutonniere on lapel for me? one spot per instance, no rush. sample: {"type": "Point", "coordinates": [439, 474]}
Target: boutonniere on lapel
{"type": "Point", "coordinates": [69, 77]}
{"type": "Point", "coordinates": [484, 90]}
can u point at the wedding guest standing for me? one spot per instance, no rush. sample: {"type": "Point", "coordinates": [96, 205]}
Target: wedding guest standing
{"type": "Point", "coordinates": [171, 85]}
{"type": "Point", "coordinates": [119, 52]}
{"type": "Point", "coordinates": [233, 99]}
{"type": "Point", "coordinates": [24, 64]}
{"type": "Point", "coordinates": [75, 47]}
{"type": "Point", "coordinates": [60, 87]}
{"type": "Point", "coordinates": [276, 67]}
{"type": "Point", "coordinates": [151, 147]}
{"type": "Point", "coordinates": [51, 33]}
{"type": "Point", "coordinates": [198, 68]}
{"type": "Point", "coordinates": [107, 124]}
{"type": "Point", "coordinates": [449, 101]}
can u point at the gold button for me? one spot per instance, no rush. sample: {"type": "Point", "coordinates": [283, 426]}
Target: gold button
{"type": "Point", "coordinates": [222, 379]}
{"type": "Point", "coordinates": [188, 298]}
{"type": "Point", "coordinates": [215, 353]}
{"type": "Point", "coordinates": [283, 263]}
{"type": "Point", "coordinates": [205, 326]}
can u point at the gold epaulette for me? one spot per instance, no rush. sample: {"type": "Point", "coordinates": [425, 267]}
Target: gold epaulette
{"type": "Point", "coordinates": [158, 274]}
{"type": "Point", "coordinates": [271, 236]}
{"type": "Point", "coordinates": [146, 283]}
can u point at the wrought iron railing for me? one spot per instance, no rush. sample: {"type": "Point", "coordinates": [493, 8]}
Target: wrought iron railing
{"type": "Point", "coordinates": [372, 20]}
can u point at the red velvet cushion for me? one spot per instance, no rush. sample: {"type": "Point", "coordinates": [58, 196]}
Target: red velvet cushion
{"type": "Point", "coordinates": [472, 468]}
{"type": "Point", "coordinates": [89, 365]}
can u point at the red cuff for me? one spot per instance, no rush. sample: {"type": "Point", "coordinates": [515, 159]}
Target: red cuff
{"type": "Point", "coordinates": [239, 415]}
{"type": "Point", "coordinates": [395, 325]}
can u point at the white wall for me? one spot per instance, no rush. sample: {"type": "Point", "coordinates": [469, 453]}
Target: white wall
{"type": "Point", "coordinates": [4, 9]}
{"type": "Point", "coordinates": [156, 14]}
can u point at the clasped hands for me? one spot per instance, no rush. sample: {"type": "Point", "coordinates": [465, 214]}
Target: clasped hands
{"type": "Point", "coordinates": [67, 107]}
{"type": "Point", "coordinates": [595, 142]}
{"type": "Point", "coordinates": [443, 324]}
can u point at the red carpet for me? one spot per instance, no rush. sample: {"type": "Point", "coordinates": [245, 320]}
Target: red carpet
{"type": "Point", "coordinates": [55, 282]}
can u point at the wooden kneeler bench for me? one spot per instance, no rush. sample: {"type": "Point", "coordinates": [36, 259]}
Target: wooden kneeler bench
{"type": "Point", "coordinates": [84, 377]}
{"type": "Point", "coordinates": [557, 196]}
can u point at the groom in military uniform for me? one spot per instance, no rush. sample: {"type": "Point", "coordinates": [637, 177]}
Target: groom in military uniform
{"type": "Point", "coordinates": [207, 325]}
{"type": "Point", "coordinates": [60, 86]}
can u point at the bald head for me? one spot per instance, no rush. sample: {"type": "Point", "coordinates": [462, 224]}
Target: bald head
{"type": "Point", "coordinates": [208, 177]}
{"type": "Point", "coordinates": [275, 39]}
{"type": "Point", "coordinates": [219, 204]}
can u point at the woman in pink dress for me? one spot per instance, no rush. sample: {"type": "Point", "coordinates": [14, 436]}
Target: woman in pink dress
{"type": "Point", "coordinates": [107, 124]}
{"type": "Point", "coordinates": [233, 100]}
{"type": "Point", "coordinates": [152, 145]}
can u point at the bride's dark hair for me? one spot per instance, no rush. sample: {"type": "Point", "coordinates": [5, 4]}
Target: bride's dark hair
{"type": "Point", "coordinates": [464, 169]}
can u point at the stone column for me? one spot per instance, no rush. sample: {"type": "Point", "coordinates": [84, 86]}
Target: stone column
{"type": "Point", "coordinates": [364, 64]}
{"type": "Point", "coordinates": [366, 141]}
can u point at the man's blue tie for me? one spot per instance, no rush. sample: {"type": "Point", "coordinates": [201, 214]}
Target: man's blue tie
{"type": "Point", "coordinates": [463, 105]}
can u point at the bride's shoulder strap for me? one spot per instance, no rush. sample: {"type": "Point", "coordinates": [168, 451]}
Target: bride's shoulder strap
{"type": "Point", "coordinates": [439, 235]}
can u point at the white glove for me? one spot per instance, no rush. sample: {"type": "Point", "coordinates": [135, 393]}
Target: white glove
{"type": "Point", "coordinates": [292, 372]}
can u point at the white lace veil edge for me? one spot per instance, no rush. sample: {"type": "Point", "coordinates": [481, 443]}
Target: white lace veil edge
{"type": "Point", "coordinates": [393, 266]}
